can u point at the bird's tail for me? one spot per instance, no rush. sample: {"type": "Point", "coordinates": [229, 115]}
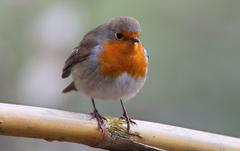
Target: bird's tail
{"type": "Point", "coordinates": [70, 87]}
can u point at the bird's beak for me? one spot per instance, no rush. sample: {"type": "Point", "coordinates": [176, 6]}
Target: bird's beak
{"type": "Point", "coordinates": [135, 40]}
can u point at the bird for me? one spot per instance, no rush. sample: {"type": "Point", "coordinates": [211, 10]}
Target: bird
{"type": "Point", "coordinates": [110, 63]}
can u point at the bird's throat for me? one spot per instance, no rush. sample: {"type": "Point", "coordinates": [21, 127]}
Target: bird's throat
{"type": "Point", "coordinates": [118, 57]}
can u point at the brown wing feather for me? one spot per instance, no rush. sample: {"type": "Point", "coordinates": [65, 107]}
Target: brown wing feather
{"type": "Point", "coordinates": [82, 52]}
{"type": "Point", "coordinates": [74, 58]}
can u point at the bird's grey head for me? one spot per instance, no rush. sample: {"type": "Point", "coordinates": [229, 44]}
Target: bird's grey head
{"type": "Point", "coordinates": [127, 24]}
{"type": "Point", "coordinates": [118, 25]}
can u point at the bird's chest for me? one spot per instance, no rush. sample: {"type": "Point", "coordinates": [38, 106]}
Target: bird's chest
{"type": "Point", "coordinates": [123, 87]}
{"type": "Point", "coordinates": [116, 59]}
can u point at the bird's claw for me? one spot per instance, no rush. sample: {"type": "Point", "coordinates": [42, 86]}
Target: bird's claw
{"type": "Point", "coordinates": [100, 119]}
{"type": "Point", "coordinates": [128, 120]}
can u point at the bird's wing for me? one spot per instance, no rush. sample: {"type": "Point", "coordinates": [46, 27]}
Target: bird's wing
{"type": "Point", "coordinates": [79, 54]}
{"type": "Point", "coordinates": [73, 59]}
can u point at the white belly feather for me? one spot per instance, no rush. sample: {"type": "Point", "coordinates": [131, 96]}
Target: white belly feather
{"type": "Point", "coordinates": [88, 80]}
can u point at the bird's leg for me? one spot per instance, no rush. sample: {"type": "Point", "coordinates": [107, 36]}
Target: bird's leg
{"type": "Point", "coordinates": [100, 119]}
{"type": "Point", "coordinates": [126, 117]}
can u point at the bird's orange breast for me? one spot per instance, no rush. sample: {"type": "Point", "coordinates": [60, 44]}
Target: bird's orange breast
{"type": "Point", "coordinates": [118, 57]}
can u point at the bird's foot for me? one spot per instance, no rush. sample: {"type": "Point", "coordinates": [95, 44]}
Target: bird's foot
{"type": "Point", "coordinates": [128, 120]}
{"type": "Point", "coordinates": [100, 119]}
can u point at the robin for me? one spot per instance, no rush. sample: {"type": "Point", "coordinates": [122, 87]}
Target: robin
{"type": "Point", "coordinates": [110, 63]}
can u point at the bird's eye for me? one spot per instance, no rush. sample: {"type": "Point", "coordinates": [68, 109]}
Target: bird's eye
{"type": "Point", "coordinates": [118, 36]}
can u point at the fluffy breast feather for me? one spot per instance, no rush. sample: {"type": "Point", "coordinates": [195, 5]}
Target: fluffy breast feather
{"type": "Point", "coordinates": [118, 57]}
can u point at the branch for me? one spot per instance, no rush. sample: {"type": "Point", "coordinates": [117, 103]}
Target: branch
{"type": "Point", "coordinates": [50, 124]}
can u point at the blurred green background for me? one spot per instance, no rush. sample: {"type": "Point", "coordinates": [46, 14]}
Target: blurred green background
{"type": "Point", "coordinates": [193, 79]}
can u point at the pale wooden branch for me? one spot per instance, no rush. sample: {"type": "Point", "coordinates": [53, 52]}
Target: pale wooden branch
{"type": "Point", "coordinates": [50, 124]}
